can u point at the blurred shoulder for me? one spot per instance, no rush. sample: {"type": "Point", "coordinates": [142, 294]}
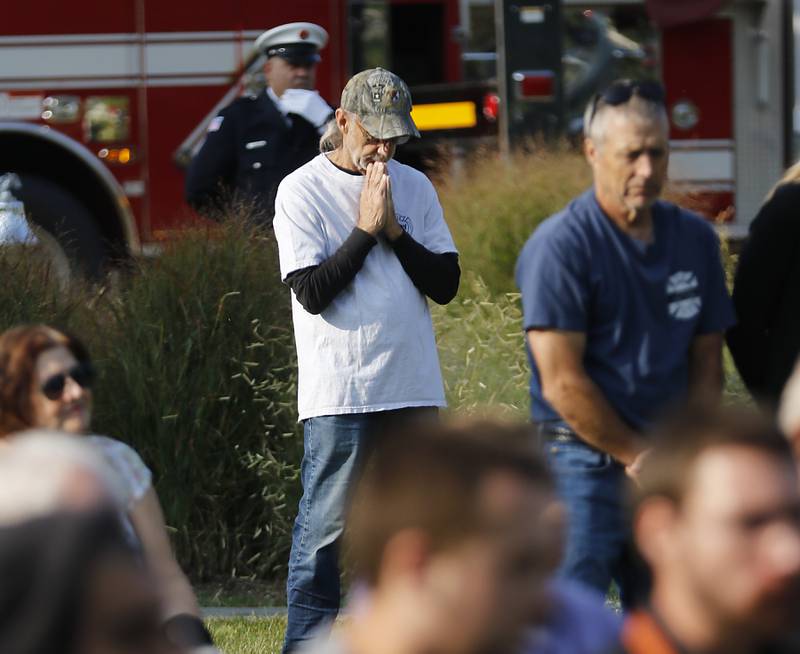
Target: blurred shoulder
{"type": "Point", "coordinates": [567, 227]}
{"type": "Point", "coordinates": [308, 175]}
{"type": "Point", "coordinates": [243, 106]}
{"type": "Point", "coordinates": [689, 223]}
{"type": "Point", "coordinates": [779, 211]}
{"type": "Point", "coordinates": [127, 463]}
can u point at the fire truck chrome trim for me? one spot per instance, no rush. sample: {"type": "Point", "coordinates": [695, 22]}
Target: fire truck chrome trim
{"type": "Point", "coordinates": [91, 39]}
{"type": "Point", "coordinates": [157, 58]}
{"type": "Point", "coordinates": [114, 83]}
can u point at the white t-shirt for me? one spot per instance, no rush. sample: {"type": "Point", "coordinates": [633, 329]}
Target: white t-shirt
{"type": "Point", "coordinates": [372, 348]}
{"type": "Point", "coordinates": [134, 476]}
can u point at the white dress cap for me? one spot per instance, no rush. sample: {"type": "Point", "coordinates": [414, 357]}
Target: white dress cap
{"type": "Point", "coordinates": [274, 41]}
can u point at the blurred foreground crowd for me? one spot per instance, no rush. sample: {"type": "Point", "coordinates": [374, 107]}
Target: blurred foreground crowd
{"type": "Point", "coordinates": [454, 535]}
{"type": "Point", "coordinates": [460, 538]}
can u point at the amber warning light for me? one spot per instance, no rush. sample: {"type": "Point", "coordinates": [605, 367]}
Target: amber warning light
{"type": "Point", "coordinates": [116, 155]}
{"type": "Point", "coordinates": [535, 85]}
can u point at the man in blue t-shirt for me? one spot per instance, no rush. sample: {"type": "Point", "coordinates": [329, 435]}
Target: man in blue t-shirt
{"type": "Point", "coordinates": [624, 304]}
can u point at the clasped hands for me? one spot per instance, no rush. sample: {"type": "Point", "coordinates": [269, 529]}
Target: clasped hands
{"type": "Point", "coordinates": [376, 208]}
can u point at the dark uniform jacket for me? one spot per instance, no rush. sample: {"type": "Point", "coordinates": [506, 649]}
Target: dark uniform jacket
{"type": "Point", "coordinates": [766, 294]}
{"type": "Point", "coordinates": [248, 154]}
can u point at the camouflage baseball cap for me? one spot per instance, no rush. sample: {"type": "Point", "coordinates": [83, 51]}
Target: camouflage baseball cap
{"type": "Point", "coordinates": [382, 102]}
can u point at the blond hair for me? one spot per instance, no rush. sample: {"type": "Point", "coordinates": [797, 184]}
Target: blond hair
{"type": "Point", "coordinates": [791, 176]}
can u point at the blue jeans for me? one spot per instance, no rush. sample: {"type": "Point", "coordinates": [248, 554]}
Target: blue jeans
{"type": "Point", "coordinates": [592, 486]}
{"type": "Point", "coordinates": [334, 448]}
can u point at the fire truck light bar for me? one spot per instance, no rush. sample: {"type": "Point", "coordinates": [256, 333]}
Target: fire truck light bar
{"type": "Point", "coordinates": [445, 115]}
{"type": "Point", "coordinates": [534, 85]}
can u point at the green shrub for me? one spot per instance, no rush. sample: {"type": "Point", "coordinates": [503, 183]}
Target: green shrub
{"type": "Point", "coordinates": [197, 371]}
{"type": "Point", "coordinates": [494, 205]}
{"type": "Point", "coordinates": [31, 292]}
{"type": "Point", "coordinates": [204, 352]}
{"type": "Point", "coordinates": [482, 352]}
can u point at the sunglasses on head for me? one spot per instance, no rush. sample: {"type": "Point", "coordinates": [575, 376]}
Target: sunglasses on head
{"type": "Point", "coordinates": [81, 373]}
{"type": "Point", "coordinates": [622, 91]}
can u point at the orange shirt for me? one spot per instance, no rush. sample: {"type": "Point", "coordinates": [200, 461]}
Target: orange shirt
{"type": "Point", "coordinates": [641, 634]}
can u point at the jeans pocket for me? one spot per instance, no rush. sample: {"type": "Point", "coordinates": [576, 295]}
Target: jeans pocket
{"type": "Point", "coordinates": [569, 455]}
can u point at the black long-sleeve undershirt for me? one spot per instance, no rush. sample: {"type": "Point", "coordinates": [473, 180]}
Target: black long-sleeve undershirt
{"type": "Point", "coordinates": [435, 275]}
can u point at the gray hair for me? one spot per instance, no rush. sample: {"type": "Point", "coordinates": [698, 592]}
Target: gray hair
{"type": "Point", "coordinates": [637, 109]}
{"type": "Point", "coordinates": [331, 138]}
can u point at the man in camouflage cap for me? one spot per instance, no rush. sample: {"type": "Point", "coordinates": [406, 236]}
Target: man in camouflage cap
{"type": "Point", "coordinates": [382, 101]}
{"type": "Point", "coordinates": [362, 243]}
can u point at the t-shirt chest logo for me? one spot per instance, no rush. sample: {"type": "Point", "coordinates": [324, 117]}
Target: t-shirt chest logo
{"type": "Point", "coordinates": [683, 295]}
{"type": "Point", "coordinates": [406, 224]}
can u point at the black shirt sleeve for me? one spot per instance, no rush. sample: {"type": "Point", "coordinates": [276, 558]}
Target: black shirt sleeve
{"type": "Point", "coordinates": [435, 275]}
{"type": "Point", "coordinates": [316, 286]}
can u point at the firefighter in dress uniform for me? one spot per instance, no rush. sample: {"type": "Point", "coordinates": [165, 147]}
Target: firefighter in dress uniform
{"type": "Point", "coordinates": [259, 139]}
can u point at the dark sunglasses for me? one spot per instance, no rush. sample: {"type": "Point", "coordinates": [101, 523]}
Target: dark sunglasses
{"type": "Point", "coordinates": [622, 91]}
{"type": "Point", "coordinates": [82, 374]}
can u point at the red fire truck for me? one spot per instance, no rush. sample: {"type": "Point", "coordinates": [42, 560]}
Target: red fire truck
{"type": "Point", "coordinates": [101, 102]}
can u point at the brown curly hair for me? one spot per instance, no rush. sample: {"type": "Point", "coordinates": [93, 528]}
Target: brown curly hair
{"type": "Point", "coordinates": [20, 347]}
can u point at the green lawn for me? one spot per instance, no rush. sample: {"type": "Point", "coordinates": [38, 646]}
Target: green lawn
{"type": "Point", "coordinates": [248, 635]}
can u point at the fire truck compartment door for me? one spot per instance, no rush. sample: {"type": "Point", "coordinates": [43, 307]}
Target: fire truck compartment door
{"type": "Point", "coordinates": [670, 13]}
{"type": "Point", "coordinates": [700, 103]}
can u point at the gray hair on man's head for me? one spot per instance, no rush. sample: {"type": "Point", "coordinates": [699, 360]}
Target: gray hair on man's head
{"type": "Point", "coordinates": [331, 138]}
{"type": "Point", "coordinates": [43, 472]}
{"type": "Point", "coordinates": [638, 109]}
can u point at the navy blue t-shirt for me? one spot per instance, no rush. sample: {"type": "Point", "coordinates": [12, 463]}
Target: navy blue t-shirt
{"type": "Point", "coordinates": [639, 305]}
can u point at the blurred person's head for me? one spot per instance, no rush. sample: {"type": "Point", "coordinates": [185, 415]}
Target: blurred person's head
{"type": "Point", "coordinates": [627, 145]}
{"type": "Point", "coordinates": [373, 119]}
{"type": "Point", "coordinates": [789, 411]}
{"type": "Point", "coordinates": [45, 380]}
{"type": "Point", "coordinates": [717, 518]}
{"type": "Point", "coordinates": [453, 530]}
{"type": "Point", "coordinates": [72, 584]}
{"type": "Point", "coordinates": [42, 472]}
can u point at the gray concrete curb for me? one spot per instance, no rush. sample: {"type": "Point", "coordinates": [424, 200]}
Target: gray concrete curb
{"type": "Point", "coordinates": [242, 611]}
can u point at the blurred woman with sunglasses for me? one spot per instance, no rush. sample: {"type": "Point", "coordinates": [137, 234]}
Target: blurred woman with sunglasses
{"type": "Point", "coordinates": [46, 378]}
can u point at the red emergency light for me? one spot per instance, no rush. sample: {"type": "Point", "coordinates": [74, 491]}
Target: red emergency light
{"type": "Point", "coordinates": [491, 107]}
{"type": "Point", "coordinates": [534, 85]}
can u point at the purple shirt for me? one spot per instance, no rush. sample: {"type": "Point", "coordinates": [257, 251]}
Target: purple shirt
{"type": "Point", "coordinates": [580, 623]}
